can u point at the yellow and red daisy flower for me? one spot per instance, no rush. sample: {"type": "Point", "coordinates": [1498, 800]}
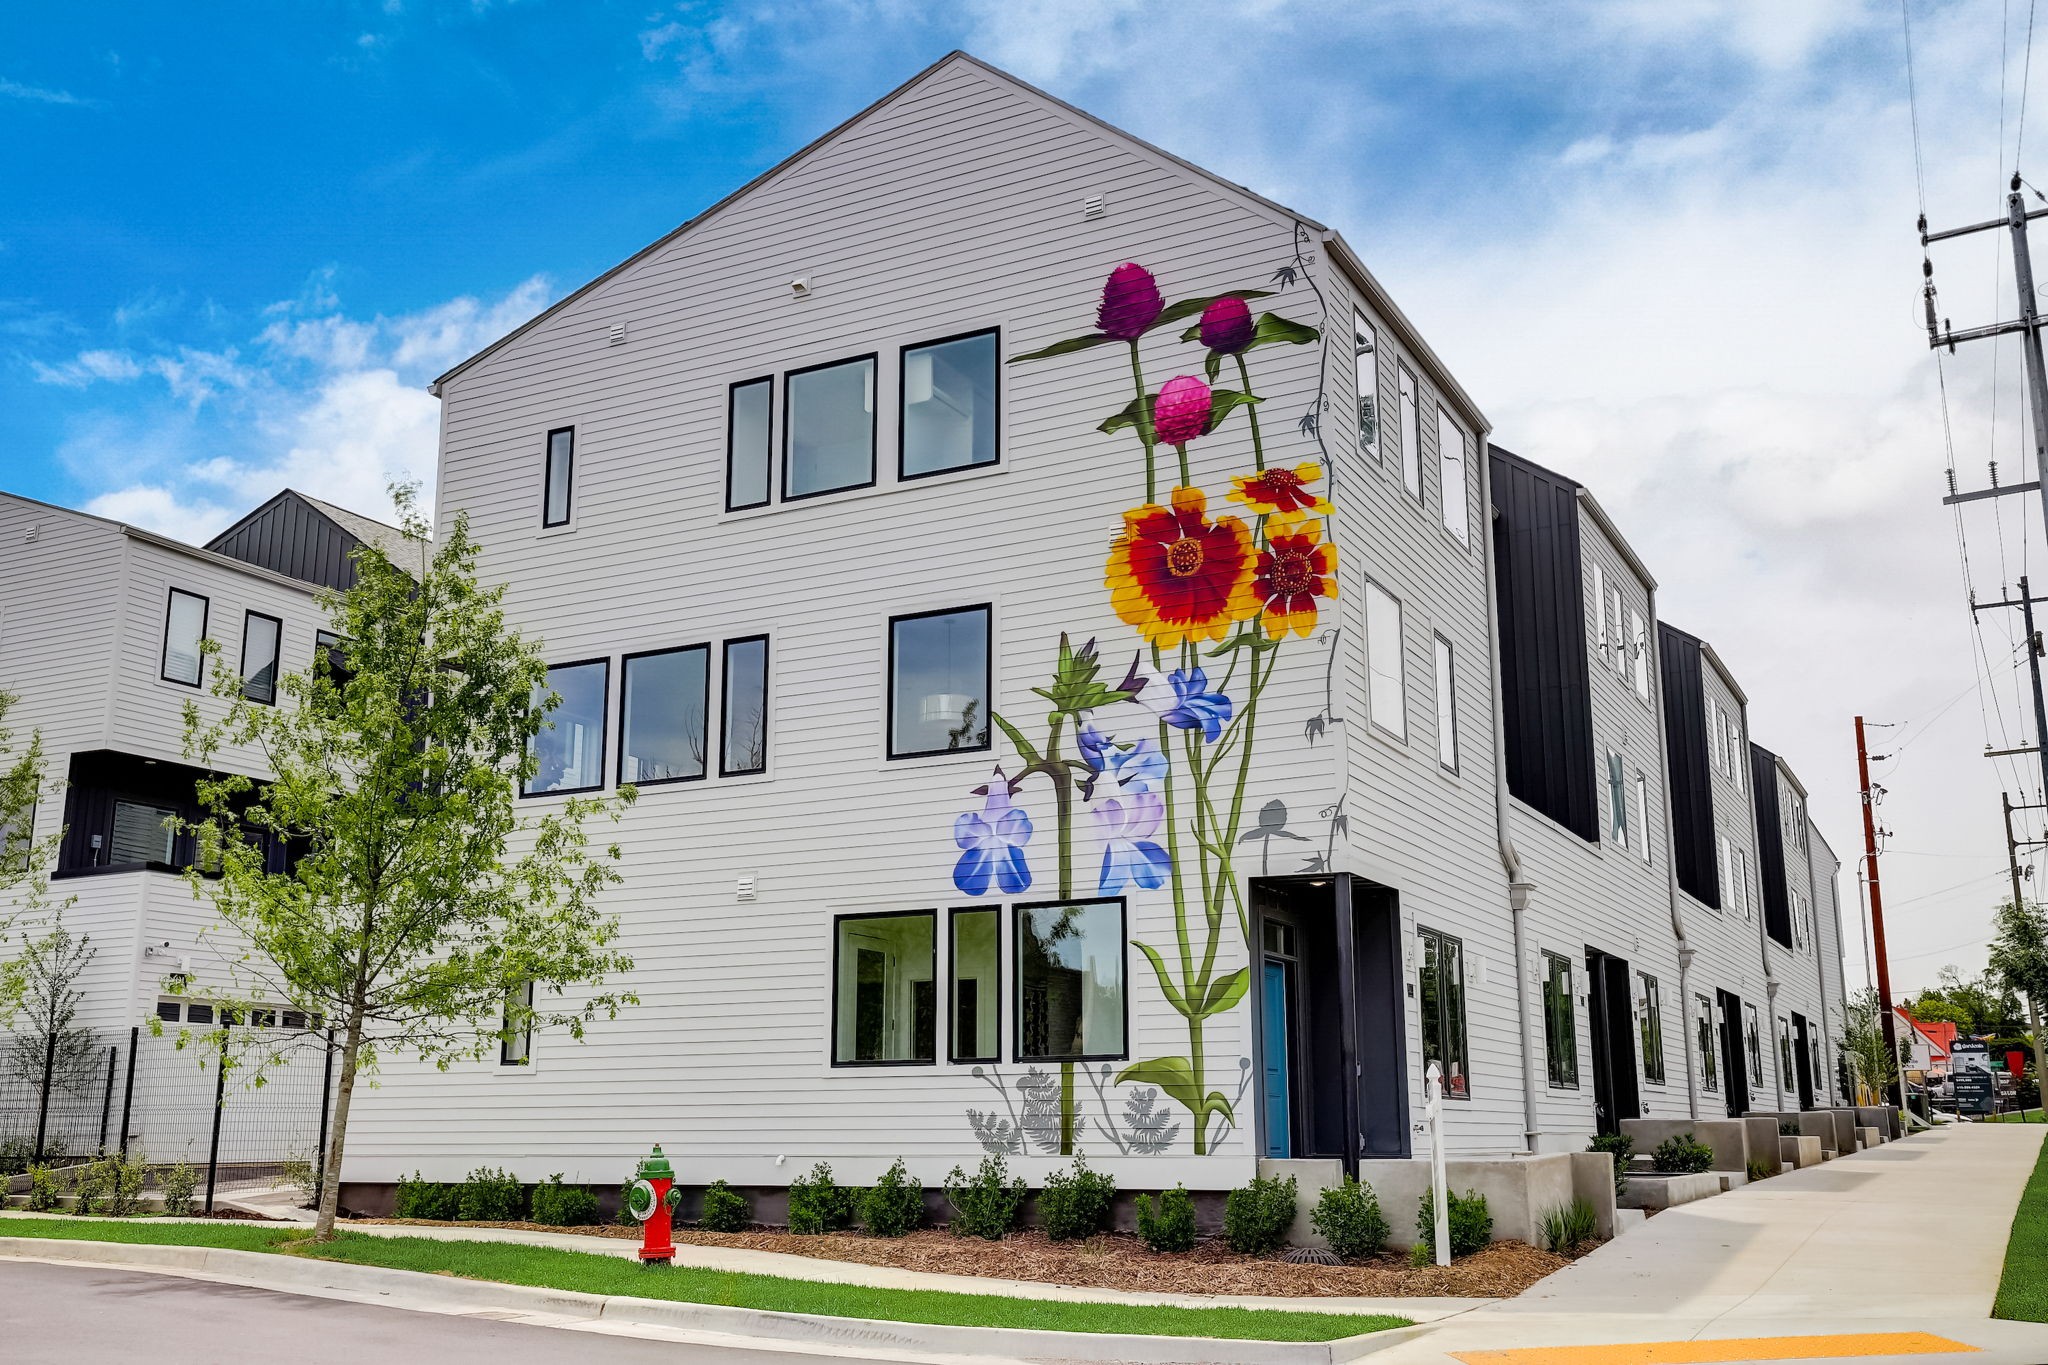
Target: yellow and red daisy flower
{"type": "Point", "coordinates": [1294, 569]}
{"type": "Point", "coordinates": [1177, 576]}
{"type": "Point", "coordinates": [1281, 490]}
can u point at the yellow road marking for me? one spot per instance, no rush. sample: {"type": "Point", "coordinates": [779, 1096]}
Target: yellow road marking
{"type": "Point", "coordinates": [1736, 1348]}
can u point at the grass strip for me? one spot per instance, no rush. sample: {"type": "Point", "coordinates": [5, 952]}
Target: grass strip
{"type": "Point", "coordinates": [584, 1272]}
{"type": "Point", "coordinates": [2019, 1116]}
{"type": "Point", "coordinates": [2023, 1288]}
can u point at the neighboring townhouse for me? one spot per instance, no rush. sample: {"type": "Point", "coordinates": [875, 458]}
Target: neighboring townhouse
{"type": "Point", "coordinates": [1927, 1044]}
{"type": "Point", "coordinates": [1800, 1007]}
{"type": "Point", "coordinates": [1584, 765]}
{"type": "Point", "coordinates": [1824, 870]}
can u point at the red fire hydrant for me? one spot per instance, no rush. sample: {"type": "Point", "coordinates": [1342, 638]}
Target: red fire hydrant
{"type": "Point", "coordinates": [652, 1198]}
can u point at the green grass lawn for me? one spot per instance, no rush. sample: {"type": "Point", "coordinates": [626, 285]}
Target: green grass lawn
{"type": "Point", "coordinates": [2028, 1116]}
{"type": "Point", "coordinates": [545, 1267]}
{"type": "Point", "coordinates": [2023, 1289]}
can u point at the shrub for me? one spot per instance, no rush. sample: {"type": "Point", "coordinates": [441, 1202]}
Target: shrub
{"type": "Point", "coordinates": [1256, 1217]}
{"type": "Point", "coordinates": [1680, 1155]}
{"type": "Point", "coordinates": [1421, 1255]}
{"type": "Point", "coordinates": [725, 1209]}
{"type": "Point", "coordinates": [1471, 1223]}
{"type": "Point", "coordinates": [423, 1198]}
{"type": "Point", "coordinates": [986, 1206]}
{"type": "Point", "coordinates": [298, 1171]}
{"type": "Point", "coordinates": [1075, 1204]}
{"type": "Point", "coordinates": [15, 1154]}
{"type": "Point", "coordinates": [1788, 1127]}
{"type": "Point", "coordinates": [1348, 1217]}
{"type": "Point", "coordinates": [176, 1185]}
{"type": "Point", "coordinates": [1172, 1227]}
{"type": "Point", "coordinates": [1621, 1147]}
{"type": "Point", "coordinates": [43, 1189]}
{"type": "Point", "coordinates": [88, 1188]}
{"type": "Point", "coordinates": [120, 1180]}
{"type": "Point", "coordinates": [624, 1217]}
{"type": "Point", "coordinates": [489, 1196]}
{"type": "Point", "coordinates": [1759, 1169]}
{"type": "Point", "coordinates": [895, 1205]}
{"type": "Point", "coordinates": [1566, 1227]}
{"type": "Point", "coordinates": [563, 1206]}
{"type": "Point", "coordinates": [818, 1203]}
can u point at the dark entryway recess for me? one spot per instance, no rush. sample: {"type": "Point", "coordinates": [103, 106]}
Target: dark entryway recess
{"type": "Point", "coordinates": [1331, 1027]}
{"type": "Point", "coordinates": [1736, 1050]}
{"type": "Point", "coordinates": [1615, 1096]}
{"type": "Point", "coordinates": [1802, 1060]}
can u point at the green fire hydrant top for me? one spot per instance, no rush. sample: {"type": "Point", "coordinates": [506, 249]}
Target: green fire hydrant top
{"type": "Point", "coordinates": [655, 1167]}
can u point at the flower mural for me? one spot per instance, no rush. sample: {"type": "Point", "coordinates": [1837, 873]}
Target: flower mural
{"type": "Point", "coordinates": [1161, 759]}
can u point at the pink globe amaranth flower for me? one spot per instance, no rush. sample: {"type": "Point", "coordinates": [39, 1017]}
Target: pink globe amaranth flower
{"type": "Point", "coordinates": [1130, 302]}
{"type": "Point", "coordinates": [1227, 325]}
{"type": "Point", "coordinates": [1183, 410]}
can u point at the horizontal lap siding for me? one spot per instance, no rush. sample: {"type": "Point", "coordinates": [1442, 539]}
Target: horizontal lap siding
{"type": "Point", "coordinates": [1834, 920]}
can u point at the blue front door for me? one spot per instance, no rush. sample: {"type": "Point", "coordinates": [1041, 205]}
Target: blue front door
{"type": "Point", "coordinates": [1279, 1113]}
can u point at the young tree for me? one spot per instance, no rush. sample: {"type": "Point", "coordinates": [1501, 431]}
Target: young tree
{"type": "Point", "coordinates": [25, 860]}
{"type": "Point", "coordinates": [50, 1038]}
{"type": "Point", "coordinates": [420, 912]}
{"type": "Point", "coordinates": [1863, 1035]}
{"type": "Point", "coordinates": [2019, 959]}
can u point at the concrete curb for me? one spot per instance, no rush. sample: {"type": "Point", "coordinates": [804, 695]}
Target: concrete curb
{"type": "Point", "coordinates": [445, 1294]}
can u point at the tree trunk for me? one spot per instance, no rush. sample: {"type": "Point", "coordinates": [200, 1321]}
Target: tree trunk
{"type": "Point", "coordinates": [330, 1192]}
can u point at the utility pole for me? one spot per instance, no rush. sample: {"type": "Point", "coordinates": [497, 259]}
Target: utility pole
{"type": "Point", "coordinates": [2012, 856]}
{"type": "Point", "coordinates": [1884, 971]}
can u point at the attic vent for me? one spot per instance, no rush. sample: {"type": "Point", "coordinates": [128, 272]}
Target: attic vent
{"type": "Point", "coordinates": [800, 287]}
{"type": "Point", "coordinates": [746, 886]}
{"type": "Point", "coordinates": [1091, 207]}
{"type": "Point", "coordinates": [617, 335]}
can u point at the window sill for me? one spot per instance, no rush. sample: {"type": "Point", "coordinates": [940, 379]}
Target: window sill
{"type": "Point", "coordinates": [116, 869]}
{"type": "Point", "coordinates": [567, 528]}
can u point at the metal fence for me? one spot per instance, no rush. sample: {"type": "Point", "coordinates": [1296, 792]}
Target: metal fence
{"type": "Point", "coordinates": [256, 1122]}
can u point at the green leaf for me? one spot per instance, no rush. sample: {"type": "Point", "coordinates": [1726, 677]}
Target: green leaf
{"type": "Point", "coordinates": [1212, 366]}
{"type": "Point", "coordinates": [1128, 417]}
{"type": "Point", "coordinates": [1270, 330]}
{"type": "Point", "coordinates": [1173, 995]}
{"type": "Point", "coordinates": [1187, 308]}
{"type": "Point", "coordinates": [1174, 1075]}
{"type": "Point", "coordinates": [1215, 1103]}
{"type": "Point", "coordinates": [1227, 992]}
{"type": "Point", "coordinates": [1023, 745]}
{"type": "Point", "coordinates": [1067, 347]}
{"type": "Point", "coordinates": [1222, 402]}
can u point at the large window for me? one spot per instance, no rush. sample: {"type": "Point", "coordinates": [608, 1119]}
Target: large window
{"type": "Point", "coordinates": [662, 700]}
{"type": "Point", "coordinates": [561, 474]}
{"type": "Point", "coordinates": [184, 628]}
{"type": "Point", "coordinates": [1707, 1038]}
{"type": "Point", "coordinates": [1411, 436]}
{"type": "Point", "coordinates": [1365, 350]}
{"type": "Point", "coordinates": [975, 1007]}
{"type": "Point", "coordinates": [1652, 1030]}
{"type": "Point", "coordinates": [1450, 465]}
{"type": "Point", "coordinates": [1560, 1021]}
{"type": "Point", "coordinates": [515, 1031]}
{"type": "Point", "coordinates": [1386, 693]}
{"type": "Point", "coordinates": [743, 730]}
{"type": "Point", "coordinates": [1442, 989]}
{"type": "Point", "coordinates": [1070, 982]}
{"type": "Point", "coordinates": [333, 650]}
{"type": "Point", "coordinates": [938, 682]}
{"type": "Point", "coordinates": [143, 834]}
{"type": "Point", "coordinates": [948, 406]}
{"type": "Point", "coordinates": [568, 752]}
{"type": "Point", "coordinates": [828, 428]}
{"type": "Point", "coordinates": [885, 1004]}
{"type": "Point", "coordinates": [260, 636]}
{"type": "Point", "coordinates": [1446, 707]}
{"type": "Point", "coordinates": [747, 447]}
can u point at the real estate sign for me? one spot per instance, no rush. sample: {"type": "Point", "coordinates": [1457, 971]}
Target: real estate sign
{"type": "Point", "coordinates": [1970, 1068]}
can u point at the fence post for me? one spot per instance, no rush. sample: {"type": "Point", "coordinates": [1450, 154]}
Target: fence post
{"type": "Point", "coordinates": [320, 1143]}
{"type": "Point", "coordinates": [128, 1086]}
{"type": "Point", "coordinates": [43, 1106]}
{"type": "Point", "coordinates": [220, 1099]}
{"type": "Point", "coordinates": [107, 1097]}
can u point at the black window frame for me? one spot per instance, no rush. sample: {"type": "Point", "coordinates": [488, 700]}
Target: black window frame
{"type": "Point", "coordinates": [1372, 719]}
{"type": "Point", "coordinates": [525, 1057]}
{"type": "Point", "coordinates": [732, 394]}
{"type": "Point", "coordinates": [996, 387]}
{"type": "Point", "coordinates": [625, 670]}
{"type": "Point", "coordinates": [1652, 1028]}
{"type": "Point", "coordinates": [782, 493]}
{"type": "Point", "coordinates": [604, 691]}
{"type": "Point", "coordinates": [276, 655]}
{"type": "Point", "coordinates": [1400, 417]}
{"type": "Point", "coordinates": [1017, 910]}
{"type": "Point", "coordinates": [988, 682]}
{"type": "Point", "coordinates": [163, 660]}
{"type": "Point", "coordinates": [1444, 670]}
{"type": "Point", "coordinates": [1443, 515]}
{"type": "Point", "coordinates": [1424, 934]}
{"type": "Point", "coordinates": [832, 1021]}
{"type": "Point", "coordinates": [1700, 1019]}
{"type": "Point", "coordinates": [953, 915]}
{"type": "Point", "coordinates": [1375, 449]}
{"type": "Point", "coordinates": [725, 703]}
{"type": "Point", "coordinates": [335, 647]}
{"type": "Point", "coordinates": [1553, 1054]}
{"type": "Point", "coordinates": [547, 478]}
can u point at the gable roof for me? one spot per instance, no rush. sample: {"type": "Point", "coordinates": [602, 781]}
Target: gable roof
{"type": "Point", "coordinates": [309, 539]}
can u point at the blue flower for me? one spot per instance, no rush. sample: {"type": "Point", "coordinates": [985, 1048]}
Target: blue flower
{"type": "Point", "coordinates": [992, 845]}
{"type": "Point", "coordinates": [1097, 749]}
{"type": "Point", "coordinates": [1139, 767]}
{"type": "Point", "coordinates": [1130, 853]}
{"type": "Point", "coordinates": [1195, 707]}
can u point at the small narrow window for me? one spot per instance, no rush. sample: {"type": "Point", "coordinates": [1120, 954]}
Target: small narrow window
{"type": "Point", "coordinates": [184, 628]}
{"type": "Point", "coordinates": [292, 1019]}
{"type": "Point", "coordinates": [515, 1034]}
{"type": "Point", "coordinates": [976, 1003]}
{"type": "Point", "coordinates": [143, 834]}
{"type": "Point", "coordinates": [196, 1013]}
{"type": "Point", "coordinates": [1652, 1030]}
{"type": "Point", "coordinates": [568, 750]}
{"type": "Point", "coordinates": [262, 1017]}
{"type": "Point", "coordinates": [743, 703]}
{"type": "Point", "coordinates": [662, 700]}
{"type": "Point", "coordinates": [1411, 436]}
{"type": "Point", "coordinates": [561, 474]}
{"type": "Point", "coordinates": [1617, 800]}
{"type": "Point", "coordinates": [1365, 350]}
{"type": "Point", "coordinates": [1446, 707]}
{"type": "Point", "coordinates": [1386, 700]}
{"type": "Point", "coordinates": [1706, 1038]}
{"type": "Point", "coordinates": [828, 428]}
{"type": "Point", "coordinates": [170, 1011]}
{"type": "Point", "coordinates": [747, 446]}
{"type": "Point", "coordinates": [1639, 648]}
{"type": "Point", "coordinates": [1070, 982]}
{"type": "Point", "coordinates": [1643, 817]}
{"type": "Point", "coordinates": [1560, 1022]}
{"type": "Point", "coordinates": [1785, 1051]}
{"type": "Point", "coordinates": [260, 637]}
{"type": "Point", "coordinates": [1725, 868]}
{"type": "Point", "coordinates": [1442, 991]}
{"type": "Point", "coordinates": [938, 682]}
{"type": "Point", "coordinates": [1716, 736]}
{"type": "Point", "coordinates": [948, 396]}
{"type": "Point", "coordinates": [885, 1006]}
{"type": "Point", "coordinates": [1450, 465]}
{"type": "Point", "coordinates": [1752, 1042]}
{"type": "Point", "coordinates": [1600, 614]}
{"type": "Point", "coordinates": [1618, 649]}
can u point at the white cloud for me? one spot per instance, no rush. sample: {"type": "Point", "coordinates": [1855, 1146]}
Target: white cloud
{"type": "Point", "coordinates": [160, 510]}
{"type": "Point", "coordinates": [87, 367]}
{"type": "Point", "coordinates": [37, 94]}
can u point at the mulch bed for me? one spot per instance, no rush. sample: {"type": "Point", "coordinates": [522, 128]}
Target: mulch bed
{"type": "Point", "coordinates": [1121, 1261]}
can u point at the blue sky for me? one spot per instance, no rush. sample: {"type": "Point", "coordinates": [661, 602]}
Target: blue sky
{"type": "Point", "coordinates": [1665, 243]}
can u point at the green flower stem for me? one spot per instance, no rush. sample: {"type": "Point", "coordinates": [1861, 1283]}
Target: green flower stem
{"type": "Point", "coordinates": [1145, 434]}
{"type": "Point", "coordinates": [1063, 800]}
{"type": "Point", "coordinates": [1260, 677]}
{"type": "Point", "coordinates": [1195, 1069]}
{"type": "Point", "coordinates": [1251, 410]}
{"type": "Point", "coordinates": [1180, 905]}
{"type": "Point", "coordinates": [1182, 451]}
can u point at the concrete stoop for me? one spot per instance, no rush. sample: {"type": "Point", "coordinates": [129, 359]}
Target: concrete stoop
{"type": "Point", "coordinates": [1653, 1192]}
{"type": "Point", "coordinates": [704, 1323]}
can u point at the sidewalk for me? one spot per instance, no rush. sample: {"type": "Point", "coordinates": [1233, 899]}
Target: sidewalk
{"type": "Point", "coordinates": [1906, 1237]}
